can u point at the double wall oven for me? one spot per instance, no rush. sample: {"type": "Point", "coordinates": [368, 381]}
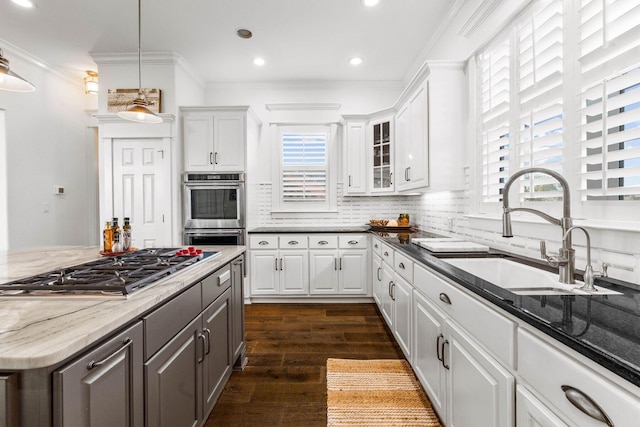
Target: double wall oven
{"type": "Point", "coordinates": [214, 208]}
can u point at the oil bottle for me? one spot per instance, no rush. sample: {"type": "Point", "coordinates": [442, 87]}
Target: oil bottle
{"type": "Point", "coordinates": [116, 246]}
{"type": "Point", "coordinates": [126, 235]}
{"type": "Point", "coordinates": [107, 237]}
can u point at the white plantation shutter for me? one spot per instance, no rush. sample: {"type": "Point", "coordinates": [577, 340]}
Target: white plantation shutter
{"type": "Point", "coordinates": [494, 117]}
{"type": "Point", "coordinates": [609, 65]}
{"type": "Point", "coordinates": [540, 126]}
{"type": "Point", "coordinates": [304, 167]}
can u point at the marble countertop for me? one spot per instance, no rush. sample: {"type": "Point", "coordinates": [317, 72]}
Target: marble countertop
{"type": "Point", "coordinates": [38, 332]}
{"type": "Point", "coordinates": [604, 328]}
{"type": "Point", "coordinates": [281, 229]}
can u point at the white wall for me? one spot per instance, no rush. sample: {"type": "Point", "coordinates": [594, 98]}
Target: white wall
{"type": "Point", "coordinates": [46, 145]}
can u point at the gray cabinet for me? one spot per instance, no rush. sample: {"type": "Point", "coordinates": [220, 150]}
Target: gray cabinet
{"type": "Point", "coordinates": [173, 380]}
{"type": "Point", "coordinates": [103, 387]}
{"type": "Point", "coordinates": [216, 360]}
{"type": "Point", "coordinates": [237, 312]}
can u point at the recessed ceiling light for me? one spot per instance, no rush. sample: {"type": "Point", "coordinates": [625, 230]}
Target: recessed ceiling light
{"type": "Point", "coordinates": [355, 61]}
{"type": "Point", "coordinates": [259, 62]}
{"type": "Point", "coordinates": [243, 33]}
{"type": "Point", "coordinates": [370, 3]}
{"type": "Point", "coordinates": [24, 3]}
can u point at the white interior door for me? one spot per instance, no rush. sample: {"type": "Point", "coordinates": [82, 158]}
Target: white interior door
{"type": "Point", "coordinates": [142, 189]}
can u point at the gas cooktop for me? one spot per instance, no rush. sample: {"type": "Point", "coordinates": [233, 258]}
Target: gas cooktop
{"type": "Point", "coordinates": [112, 277]}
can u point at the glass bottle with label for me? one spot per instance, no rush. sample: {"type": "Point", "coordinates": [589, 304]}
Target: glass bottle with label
{"type": "Point", "coordinates": [117, 231]}
{"type": "Point", "coordinates": [107, 237]}
{"type": "Point", "coordinates": [126, 235]}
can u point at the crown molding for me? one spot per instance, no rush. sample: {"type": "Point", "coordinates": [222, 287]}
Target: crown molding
{"type": "Point", "coordinates": [304, 106]}
{"type": "Point", "coordinates": [114, 118]}
{"type": "Point", "coordinates": [308, 84]}
{"type": "Point", "coordinates": [478, 17]}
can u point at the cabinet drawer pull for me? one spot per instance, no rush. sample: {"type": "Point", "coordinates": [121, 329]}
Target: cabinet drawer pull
{"type": "Point", "coordinates": [349, 180]}
{"type": "Point", "coordinates": [203, 340]}
{"type": "Point", "coordinates": [207, 332]}
{"type": "Point", "coordinates": [293, 242]}
{"type": "Point", "coordinates": [215, 157]}
{"type": "Point", "coordinates": [375, 245]}
{"type": "Point", "coordinates": [386, 253]}
{"type": "Point", "coordinates": [390, 284]}
{"type": "Point", "coordinates": [125, 344]}
{"type": "Point", "coordinates": [379, 278]}
{"type": "Point", "coordinates": [335, 264]}
{"type": "Point", "coordinates": [263, 242]}
{"type": "Point", "coordinates": [391, 178]}
{"type": "Point", "coordinates": [409, 173]}
{"type": "Point", "coordinates": [445, 298]}
{"type": "Point", "coordinates": [401, 265]}
{"type": "Point", "coordinates": [323, 242]}
{"type": "Point", "coordinates": [281, 264]}
{"type": "Point", "coordinates": [440, 358]}
{"type": "Point", "coordinates": [393, 291]}
{"type": "Point", "coordinates": [352, 242]}
{"type": "Point", "coordinates": [211, 158]}
{"type": "Point", "coordinates": [585, 404]}
{"type": "Point", "coordinates": [445, 342]}
{"type": "Point", "coordinates": [340, 263]}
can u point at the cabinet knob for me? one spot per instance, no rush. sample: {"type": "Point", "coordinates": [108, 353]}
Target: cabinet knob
{"type": "Point", "coordinates": [586, 404]}
{"type": "Point", "coordinates": [401, 265]}
{"type": "Point", "coordinates": [386, 253]}
{"type": "Point", "coordinates": [375, 245]}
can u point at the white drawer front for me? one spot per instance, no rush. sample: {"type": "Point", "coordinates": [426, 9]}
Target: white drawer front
{"type": "Point", "coordinates": [546, 368]}
{"type": "Point", "coordinates": [294, 241]}
{"type": "Point", "coordinates": [323, 242]}
{"type": "Point", "coordinates": [353, 241]}
{"type": "Point", "coordinates": [262, 241]}
{"type": "Point", "coordinates": [376, 246]}
{"type": "Point", "coordinates": [488, 326]}
{"type": "Point", "coordinates": [404, 266]}
{"type": "Point", "coordinates": [387, 254]}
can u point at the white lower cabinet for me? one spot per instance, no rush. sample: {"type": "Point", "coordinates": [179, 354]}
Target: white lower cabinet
{"type": "Point", "coordinates": [466, 386]}
{"type": "Point", "coordinates": [320, 265]}
{"type": "Point", "coordinates": [386, 303]}
{"type": "Point", "coordinates": [376, 275]}
{"type": "Point", "coordinates": [402, 296]}
{"type": "Point", "coordinates": [480, 390]}
{"type": "Point", "coordinates": [530, 412]}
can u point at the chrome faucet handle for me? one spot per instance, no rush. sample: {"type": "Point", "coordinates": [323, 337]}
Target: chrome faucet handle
{"type": "Point", "coordinates": [590, 276]}
{"type": "Point", "coordinates": [553, 261]}
{"type": "Point", "coordinates": [605, 270]}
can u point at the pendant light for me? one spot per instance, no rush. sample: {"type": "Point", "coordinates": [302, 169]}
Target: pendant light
{"type": "Point", "coordinates": [10, 80]}
{"type": "Point", "coordinates": [139, 112]}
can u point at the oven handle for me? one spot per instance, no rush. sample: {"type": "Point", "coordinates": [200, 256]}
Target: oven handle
{"type": "Point", "coordinates": [213, 232]}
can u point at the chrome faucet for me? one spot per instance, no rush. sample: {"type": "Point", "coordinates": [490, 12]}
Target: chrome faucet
{"type": "Point", "coordinates": [589, 275]}
{"type": "Point", "coordinates": [565, 261]}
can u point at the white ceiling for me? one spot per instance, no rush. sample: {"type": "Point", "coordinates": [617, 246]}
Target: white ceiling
{"type": "Point", "coordinates": [299, 39]}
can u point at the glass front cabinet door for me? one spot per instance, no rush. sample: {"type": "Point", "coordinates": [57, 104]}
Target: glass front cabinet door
{"type": "Point", "coordinates": [382, 153]}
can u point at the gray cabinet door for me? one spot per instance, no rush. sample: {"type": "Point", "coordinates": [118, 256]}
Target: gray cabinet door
{"type": "Point", "coordinates": [173, 380]}
{"type": "Point", "coordinates": [217, 365]}
{"type": "Point", "coordinates": [237, 311]}
{"type": "Point", "coordinates": [104, 387]}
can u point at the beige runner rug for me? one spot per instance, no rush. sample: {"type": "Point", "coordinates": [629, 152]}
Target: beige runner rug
{"type": "Point", "coordinates": [376, 393]}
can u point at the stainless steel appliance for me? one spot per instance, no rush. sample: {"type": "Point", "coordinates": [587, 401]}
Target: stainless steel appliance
{"type": "Point", "coordinates": [109, 277]}
{"type": "Point", "coordinates": [214, 208]}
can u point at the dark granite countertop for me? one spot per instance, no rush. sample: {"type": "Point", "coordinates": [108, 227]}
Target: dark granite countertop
{"type": "Point", "coordinates": [604, 328]}
{"type": "Point", "coordinates": [281, 229]}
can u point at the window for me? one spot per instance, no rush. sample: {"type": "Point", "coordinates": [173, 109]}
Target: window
{"type": "Point", "coordinates": [609, 93]}
{"type": "Point", "coordinates": [304, 179]}
{"type": "Point", "coordinates": [561, 90]}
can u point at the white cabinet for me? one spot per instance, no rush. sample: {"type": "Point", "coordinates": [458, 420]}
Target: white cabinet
{"type": "Point", "coordinates": [368, 154]}
{"type": "Point", "coordinates": [578, 394]}
{"type": "Point", "coordinates": [309, 265]}
{"type": "Point", "coordinates": [402, 296]}
{"type": "Point", "coordinates": [355, 158]}
{"type": "Point", "coordinates": [530, 412]}
{"type": "Point", "coordinates": [480, 390]}
{"type": "Point", "coordinates": [338, 271]}
{"type": "Point", "coordinates": [276, 271]}
{"type": "Point", "coordinates": [214, 138]}
{"type": "Point", "coordinates": [376, 274]}
{"type": "Point", "coordinates": [430, 130]}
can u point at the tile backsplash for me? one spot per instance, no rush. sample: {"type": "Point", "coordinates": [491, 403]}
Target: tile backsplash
{"type": "Point", "coordinates": [448, 213]}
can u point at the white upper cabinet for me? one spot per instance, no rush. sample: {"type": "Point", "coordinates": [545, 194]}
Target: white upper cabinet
{"type": "Point", "coordinates": [214, 139]}
{"type": "Point", "coordinates": [368, 154]}
{"type": "Point", "coordinates": [430, 130]}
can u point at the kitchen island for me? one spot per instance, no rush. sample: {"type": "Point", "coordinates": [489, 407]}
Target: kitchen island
{"type": "Point", "coordinates": [41, 335]}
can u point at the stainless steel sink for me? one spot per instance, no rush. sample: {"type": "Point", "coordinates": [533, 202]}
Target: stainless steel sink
{"type": "Point", "coordinates": [520, 278]}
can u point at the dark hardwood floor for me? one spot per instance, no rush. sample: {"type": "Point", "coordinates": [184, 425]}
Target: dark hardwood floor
{"type": "Point", "coordinates": [284, 382]}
